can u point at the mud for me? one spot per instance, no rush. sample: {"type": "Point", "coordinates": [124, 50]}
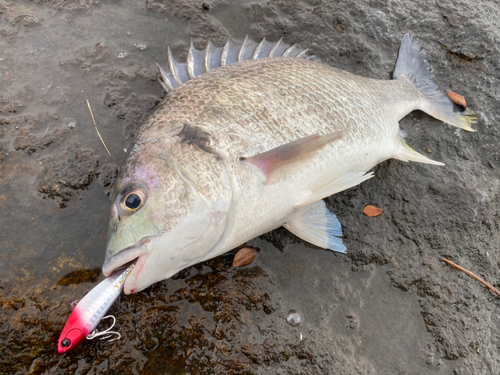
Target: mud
{"type": "Point", "coordinates": [390, 306]}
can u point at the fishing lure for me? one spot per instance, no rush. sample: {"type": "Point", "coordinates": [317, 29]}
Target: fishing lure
{"type": "Point", "coordinates": [90, 311]}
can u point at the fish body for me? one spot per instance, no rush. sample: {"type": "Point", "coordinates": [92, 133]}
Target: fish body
{"type": "Point", "coordinates": [90, 310]}
{"type": "Point", "coordinates": [254, 145]}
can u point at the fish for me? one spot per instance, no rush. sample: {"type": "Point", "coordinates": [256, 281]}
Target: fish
{"type": "Point", "coordinates": [251, 137]}
{"type": "Point", "coordinates": [90, 310]}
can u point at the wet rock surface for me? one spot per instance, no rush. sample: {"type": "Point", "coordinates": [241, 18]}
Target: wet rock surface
{"type": "Point", "coordinates": [390, 306]}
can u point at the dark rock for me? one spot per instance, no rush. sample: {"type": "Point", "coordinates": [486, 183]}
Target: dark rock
{"type": "Point", "coordinates": [62, 177]}
{"type": "Point", "coordinates": [107, 175]}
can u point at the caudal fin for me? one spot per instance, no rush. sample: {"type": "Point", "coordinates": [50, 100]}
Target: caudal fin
{"type": "Point", "coordinates": [412, 64]}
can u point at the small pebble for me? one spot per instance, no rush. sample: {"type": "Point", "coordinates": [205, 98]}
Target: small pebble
{"type": "Point", "coordinates": [122, 55]}
{"type": "Point", "coordinates": [294, 318]}
{"type": "Point", "coordinates": [206, 6]}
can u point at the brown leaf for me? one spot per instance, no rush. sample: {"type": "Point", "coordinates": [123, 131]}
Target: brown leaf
{"type": "Point", "coordinates": [457, 99]}
{"type": "Point", "coordinates": [244, 256]}
{"type": "Point", "coordinates": [372, 211]}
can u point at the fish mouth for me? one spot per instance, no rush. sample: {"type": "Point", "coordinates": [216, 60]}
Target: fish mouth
{"type": "Point", "coordinates": [139, 251]}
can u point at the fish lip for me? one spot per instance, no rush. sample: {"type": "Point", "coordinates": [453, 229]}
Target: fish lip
{"type": "Point", "coordinates": [130, 285]}
{"type": "Point", "coordinates": [126, 256]}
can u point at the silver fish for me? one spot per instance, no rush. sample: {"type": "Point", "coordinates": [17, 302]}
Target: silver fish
{"type": "Point", "coordinates": [252, 137]}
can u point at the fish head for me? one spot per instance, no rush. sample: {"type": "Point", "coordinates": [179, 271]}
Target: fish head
{"type": "Point", "coordinates": [161, 219]}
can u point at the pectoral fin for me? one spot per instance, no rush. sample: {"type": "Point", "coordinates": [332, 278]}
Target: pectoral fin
{"type": "Point", "coordinates": [314, 223]}
{"type": "Point", "coordinates": [293, 152]}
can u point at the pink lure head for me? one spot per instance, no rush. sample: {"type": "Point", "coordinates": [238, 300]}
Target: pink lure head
{"type": "Point", "coordinates": [73, 333]}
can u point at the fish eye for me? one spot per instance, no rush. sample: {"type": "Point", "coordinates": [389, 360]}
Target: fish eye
{"type": "Point", "coordinates": [131, 201]}
{"type": "Point", "coordinates": [66, 342]}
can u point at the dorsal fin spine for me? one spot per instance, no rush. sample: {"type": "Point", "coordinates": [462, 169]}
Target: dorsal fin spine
{"type": "Point", "coordinates": [303, 54]}
{"type": "Point", "coordinates": [207, 56]}
{"type": "Point", "coordinates": [164, 86]}
{"type": "Point", "coordinates": [225, 50]}
{"type": "Point", "coordinates": [242, 50]}
{"type": "Point", "coordinates": [172, 66]}
{"type": "Point", "coordinates": [288, 51]}
{"type": "Point", "coordinates": [201, 61]}
{"type": "Point", "coordinates": [273, 51]}
{"type": "Point", "coordinates": [165, 79]}
{"type": "Point", "coordinates": [255, 55]}
{"type": "Point", "coordinates": [190, 61]}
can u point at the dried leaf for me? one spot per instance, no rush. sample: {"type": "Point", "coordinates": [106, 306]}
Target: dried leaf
{"type": "Point", "coordinates": [456, 98]}
{"type": "Point", "coordinates": [372, 211]}
{"type": "Point", "coordinates": [244, 256]}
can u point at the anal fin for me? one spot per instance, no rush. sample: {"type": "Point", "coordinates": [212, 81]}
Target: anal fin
{"type": "Point", "coordinates": [314, 223]}
{"type": "Point", "coordinates": [292, 152]}
{"type": "Point", "coordinates": [406, 153]}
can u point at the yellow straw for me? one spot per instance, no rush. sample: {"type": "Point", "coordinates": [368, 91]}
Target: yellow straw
{"type": "Point", "coordinates": [97, 130]}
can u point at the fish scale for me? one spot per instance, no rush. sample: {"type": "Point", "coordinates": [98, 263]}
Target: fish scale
{"type": "Point", "coordinates": [253, 145]}
{"type": "Point", "coordinates": [321, 105]}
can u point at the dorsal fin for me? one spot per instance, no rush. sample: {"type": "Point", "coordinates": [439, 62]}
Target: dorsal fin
{"type": "Point", "coordinates": [232, 51]}
{"type": "Point", "coordinates": [195, 62]}
{"type": "Point", "coordinates": [247, 50]}
{"type": "Point", "coordinates": [178, 71]}
{"type": "Point", "coordinates": [212, 56]}
{"type": "Point", "coordinates": [278, 49]}
{"type": "Point", "coordinates": [292, 51]}
{"type": "Point", "coordinates": [202, 61]}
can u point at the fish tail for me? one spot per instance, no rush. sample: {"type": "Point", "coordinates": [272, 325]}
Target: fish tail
{"type": "Point", "coordinates": [412, 65]}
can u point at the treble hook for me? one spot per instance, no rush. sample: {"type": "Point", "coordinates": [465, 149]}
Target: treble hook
{"type": "Point", "coordinates": [95, 333]}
